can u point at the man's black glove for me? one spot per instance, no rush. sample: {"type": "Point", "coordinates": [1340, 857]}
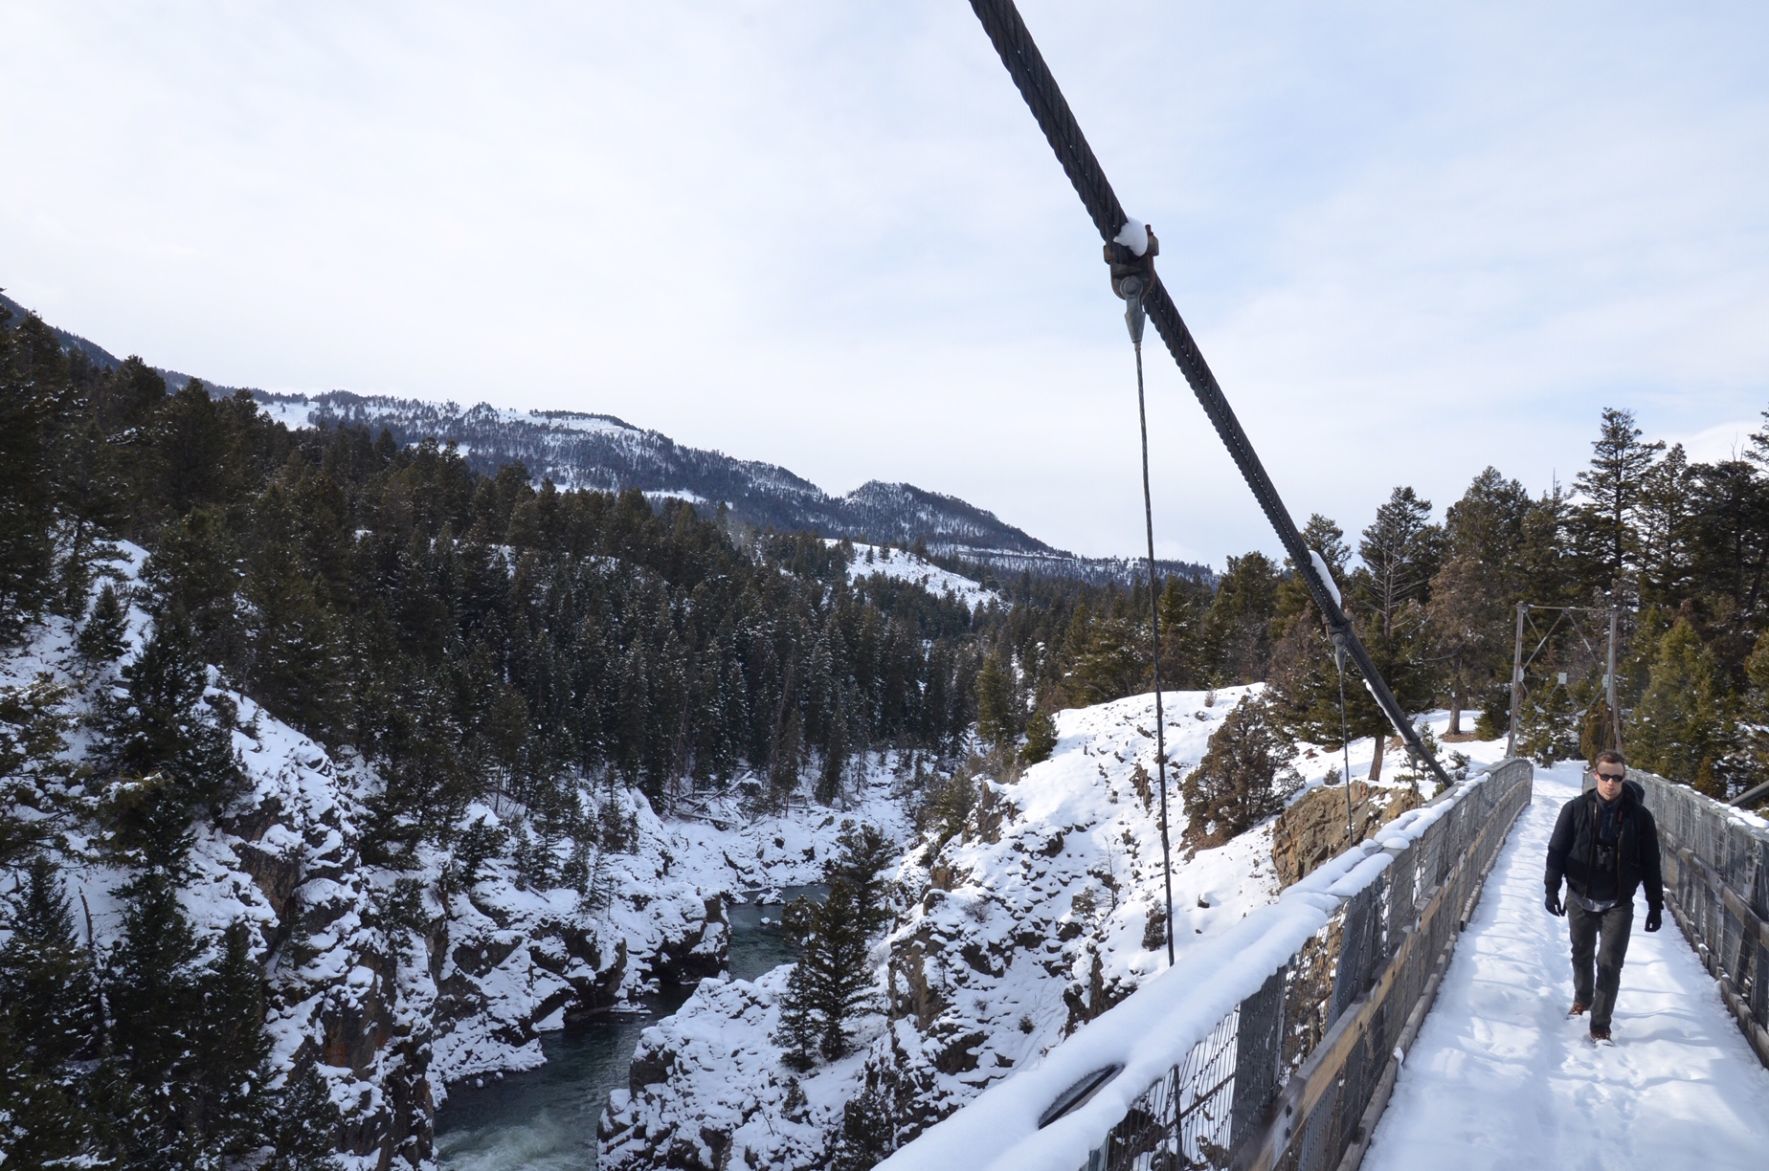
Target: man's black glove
{"type": "Point", "coordinates": [1655, 918]}
{"type": "Point", "coordinates": [1552, 902]}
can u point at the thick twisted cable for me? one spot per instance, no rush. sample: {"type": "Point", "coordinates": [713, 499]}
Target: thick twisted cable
{"type": "Point", "coordinates": [1032, 77]}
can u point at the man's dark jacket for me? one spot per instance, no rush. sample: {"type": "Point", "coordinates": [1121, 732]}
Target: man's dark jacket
{"type": "Point", "coordinates": [1572, 851]}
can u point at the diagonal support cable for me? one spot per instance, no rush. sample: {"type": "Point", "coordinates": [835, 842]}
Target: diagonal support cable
{"type": "Point", "coordinates": [1001, 20]}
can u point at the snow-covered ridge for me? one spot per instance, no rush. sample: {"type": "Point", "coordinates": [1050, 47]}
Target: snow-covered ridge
{"type": "Point", "coordinates": [902, 565]}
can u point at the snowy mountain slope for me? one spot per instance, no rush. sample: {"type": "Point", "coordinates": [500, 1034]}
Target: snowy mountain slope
{"type": "Point", "coordinates": [1040, 913]}
{"type": "Point", "coordinates": [396, 980]}
{"type": "Point", "coordinates": [577, 450]}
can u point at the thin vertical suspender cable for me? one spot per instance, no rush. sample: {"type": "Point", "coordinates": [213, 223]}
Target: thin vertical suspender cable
{"type": "Point", "coordinates": [1133, 317]}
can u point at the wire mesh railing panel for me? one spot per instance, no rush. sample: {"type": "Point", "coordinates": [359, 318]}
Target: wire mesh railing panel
{"type": "Point", "coordinates": [1319, 1147]}
{"type": "Point", "coordinates": [1183, 1122]}
{"type": "Point", "coordinates": [1760, 883]}
{"type": "Point", "coordinates": [1398, 898]}
{"type": "Point", "coordinates": [1759, 989]}
{"type": "Point", "coordinates": [1721, 893]}
{"type": "Point", "coordinates": [1260, 1054]}
{"type": "Point", "coordinates": [1361, 954]}
{"type": "Point", "coordinates": [1205, 1098]}
{"type": "Point", "coordinates": [1308, 993]}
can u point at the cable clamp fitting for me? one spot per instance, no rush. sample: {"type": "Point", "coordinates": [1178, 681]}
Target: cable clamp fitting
{"type": "Point", "coordinates": [1132, 275]}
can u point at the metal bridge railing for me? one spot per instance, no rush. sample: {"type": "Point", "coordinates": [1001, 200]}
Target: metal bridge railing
{"type": "Point", "coordinates": [1283, 1035]}
{"type": "Point", "coordinates": [1716, 864]}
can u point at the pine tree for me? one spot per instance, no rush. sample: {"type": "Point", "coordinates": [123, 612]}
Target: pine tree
{"type": "Point", "coordinates": [151, 988]}
{"type": "Point", "coordinates": [48, 1027]}
{"type": "Point", "coordinates": [194, 452]}
{"type": "Point", "coordinates": [1322, 536]}
{"type": "Point", "coordinates": [863, 855]}
{"type": "Point", "coordinates": [1185, 651]}
{"type": "Point", "coordinates": [800, 1029]}
{"type": "Point", "coordinates": [1680, 729]}
{"type": "Point", "coordinates": [1302, 682]}
{"type": "Point", "coordinates": [171, 749]}
{"type": "Point", "coordinates": [45, 975]}
{"type": "Point", "coordinates": [1238, 626]}
{"type": "Point", "coordinates": [1401, 550]}
{"type": "Point", "coordinates": [1726, 548]}
{"type": "Point", "coordinates": [33, 724]}
{"type": "Point", "coordinates": [478, 844]}
{"type": "Point", "coordinates": [840, 982]}
{"type": "Point", "coordinates": [1041, 739]}
{"type": "Point", "coordinates": [1475, 588]}
{"type": "Point", "coordinates": [1665, 513]}
{"type": "Point", "coordinates": [868, 1132]}
{"type": "Point", "coordinates": [1604, 526]}
{"type": "Point", "coordinates": [997, 719]}
{"type": "Point", "coordinates": [1243, 778]}
{"type": "Point", "coordinates": [1108, 660]}
{"type": "Point", "coordinates": [29, 383]}
{"type": "Point", "coordinates": [303, 1127]}
{"type": "Point", "coordinates": [1754, 714]}
{"type": "Point", "coordinates": [195, 570]}
{"type": "Point", "coordinates": [832, 982]}
{"type": "Point", "coordinates": [231, 1050]}
{"type": "Point", "coordinates": [101, 639]}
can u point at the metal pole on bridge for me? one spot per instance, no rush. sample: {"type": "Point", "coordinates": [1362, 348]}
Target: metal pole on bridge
{"type": "Point", "coordinates": [1615, 713]}
{"type": "Point", "coordinates": [1516, 683]}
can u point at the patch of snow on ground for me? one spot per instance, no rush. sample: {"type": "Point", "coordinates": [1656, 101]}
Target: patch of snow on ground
{"type": "Point", "coordinates": [293, 414]}
{"type": "Point", "coordinates": [906, 566]}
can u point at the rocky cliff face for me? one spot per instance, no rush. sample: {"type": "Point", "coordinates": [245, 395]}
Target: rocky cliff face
{"type": "Point", "coordinates": [1316, 827]}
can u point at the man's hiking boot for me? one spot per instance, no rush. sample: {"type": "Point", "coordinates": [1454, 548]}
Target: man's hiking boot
{"type": "Point", "coordinates": [1599, 1033]}
{"type": "Point", "coordinates": [1578, 1008]}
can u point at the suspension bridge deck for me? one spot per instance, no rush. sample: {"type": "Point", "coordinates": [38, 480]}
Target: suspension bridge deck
{"type": "Point", "coordinates": [1500, 1077]}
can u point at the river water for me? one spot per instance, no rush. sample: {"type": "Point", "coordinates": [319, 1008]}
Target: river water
{"type": "Point", "coordinates": [545, 1119]}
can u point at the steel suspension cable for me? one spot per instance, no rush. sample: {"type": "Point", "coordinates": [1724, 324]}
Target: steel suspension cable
{"type": "Point", "coordinates": [1133, 316]}
{"type": "Point", "coordinates": [1032, 77]}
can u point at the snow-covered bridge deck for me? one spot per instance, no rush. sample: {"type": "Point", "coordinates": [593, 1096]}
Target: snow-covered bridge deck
{"type": "Point", "coordinates": [1499, 1077]}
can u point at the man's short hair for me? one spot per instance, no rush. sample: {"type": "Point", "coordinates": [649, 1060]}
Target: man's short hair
{"type": "Point", "coordinates": [1610, 756]}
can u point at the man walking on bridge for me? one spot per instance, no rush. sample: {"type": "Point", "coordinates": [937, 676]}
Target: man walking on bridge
{"type": "Point", "coordinates": [1605, 845]}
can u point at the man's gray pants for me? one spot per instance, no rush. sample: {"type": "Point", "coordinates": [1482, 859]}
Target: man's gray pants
{"type": "Point", "coordinates": [1613, 926]}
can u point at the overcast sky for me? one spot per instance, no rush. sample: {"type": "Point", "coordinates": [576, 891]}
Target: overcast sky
{"type": "Point", "coordinates": [1411, 239]}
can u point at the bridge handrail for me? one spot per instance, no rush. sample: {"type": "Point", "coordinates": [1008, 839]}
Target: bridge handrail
{"type": "Point", "coordinates": [1274, 1036]}
{"type": "Point", "coordinates": [1716, 865]}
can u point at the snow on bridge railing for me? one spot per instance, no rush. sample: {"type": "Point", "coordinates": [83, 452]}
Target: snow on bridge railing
{"type": "Point", "coordinates": [1278, 1038]}
{"type": "Point", "coordinates": [1716, 863]}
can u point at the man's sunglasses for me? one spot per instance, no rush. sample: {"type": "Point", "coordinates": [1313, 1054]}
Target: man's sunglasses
{"type": "Point", "coordinates": [1611, 776]}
